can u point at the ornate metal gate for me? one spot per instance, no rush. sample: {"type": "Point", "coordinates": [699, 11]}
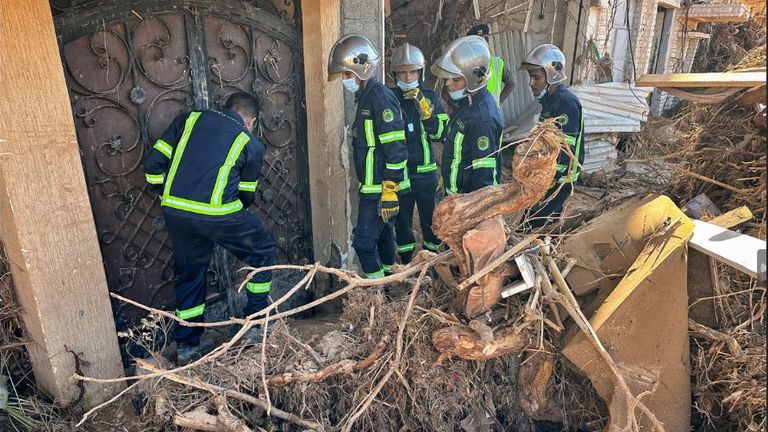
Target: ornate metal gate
{"type": "Point", "coordinates": [131, 67]}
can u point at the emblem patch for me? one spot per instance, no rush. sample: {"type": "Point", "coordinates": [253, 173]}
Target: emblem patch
{"type": "Point", "coordinates": [563, 119]}
{"type": "Point", "coordinates": [388, 115]}
{"type": "Point", "coordinates": [365, 112]}
{"type": "Point", "coordinates": [483, 142]}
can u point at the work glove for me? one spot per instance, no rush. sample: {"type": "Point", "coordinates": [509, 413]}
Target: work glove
{"type": "Point", "coordinates": [422, 103]}
{"type": "Point", "coordinates": [388, 203]}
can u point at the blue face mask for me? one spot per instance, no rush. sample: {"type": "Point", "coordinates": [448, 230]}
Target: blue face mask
{"type": "Point", "coordinates": [404, 86]}
{"type": "Point", "coordinates": [351, 85]}
{"type": "Point", "coordinates": [458, 94]}
{"type": "Point", "coordinates": [543, 93]}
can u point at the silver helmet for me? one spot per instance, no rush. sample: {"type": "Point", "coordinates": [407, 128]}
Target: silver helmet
{"type": "Point", "coordinates": [468, 57]}
{"type": "Point", "coordinates": [407, 57]}
{"type": "Point", "coordinates": [549, 58]}
{"type": "Point", "coordinates": [353, 53]}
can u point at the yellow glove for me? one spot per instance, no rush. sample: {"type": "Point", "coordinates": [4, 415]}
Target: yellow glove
{"type": "Point", "coordinates": [422, 103]}
{"type": "Point", "coordinates": [388, 204]}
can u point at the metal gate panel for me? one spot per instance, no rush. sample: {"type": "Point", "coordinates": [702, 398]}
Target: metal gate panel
{"type": "Point", "coordinates": [130, 70]}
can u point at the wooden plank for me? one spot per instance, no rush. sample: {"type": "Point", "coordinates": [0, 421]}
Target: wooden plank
{"type": "Point", "coordinates": [325, 119]}
{"type": "Point", "coordinates": [712, 79]}
{"type": "Point", "coordinates": [740, 251]}
{"type": "Point", "coordinates": [733, 218]}
{"type": "Point", "coordinates": [48, 226]}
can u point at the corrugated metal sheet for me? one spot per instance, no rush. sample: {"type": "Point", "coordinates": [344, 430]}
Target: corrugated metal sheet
{"type": "Point", "coordinates": [512, 46]}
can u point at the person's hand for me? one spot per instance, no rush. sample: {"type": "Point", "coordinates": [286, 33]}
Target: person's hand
{"type": "Point", "coordinates": [422, 103]}
{"type": "Point", "coordinates": [389, 205]}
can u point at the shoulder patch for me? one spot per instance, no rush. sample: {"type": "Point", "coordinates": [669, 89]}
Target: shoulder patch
{"type": "Point", "coordinates": [365, 112]}
{"type": "Point", "coordinates": [460, 124]}
{"type": "Point", "coordinates": [483, 142]}
{"type": "Point", "coordinates": [563, 119]}
{"type": "Point", "coordinates": [388, 115]}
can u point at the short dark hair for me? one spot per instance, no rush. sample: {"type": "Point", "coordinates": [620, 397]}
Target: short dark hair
{"type": "Point", "coordinates": [243, 103]}
{"type": "Point", "coordinates": [479, 30]}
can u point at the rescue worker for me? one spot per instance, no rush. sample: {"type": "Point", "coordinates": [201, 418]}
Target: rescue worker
{"type": "Point", "coordinates": [424, 121]}
{"type": "Point", "coordinates": [206, 166]}
{"type": "Point", "coordinates": [378, 149]}
{"type": "Point", "coordinates": [546, 70]}
{"type": "Point", "coordinates": [501, 82]}
{"type": "Point", "coordinates": [470, 156]}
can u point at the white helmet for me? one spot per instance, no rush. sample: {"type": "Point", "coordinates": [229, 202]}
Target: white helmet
{"type": "Point", "coordinates": [353, 53]}
{"type": "Point", "coordinates": [549, 58]}
{"type": "Point", "coordinates": [468, 57]}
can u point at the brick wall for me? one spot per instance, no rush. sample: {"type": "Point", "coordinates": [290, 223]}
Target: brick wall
{"type": "Point", "coordinates": [643, 22]}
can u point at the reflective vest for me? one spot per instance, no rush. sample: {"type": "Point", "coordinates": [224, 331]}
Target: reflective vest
{"type": "Point", "coordinates": [494, 83]}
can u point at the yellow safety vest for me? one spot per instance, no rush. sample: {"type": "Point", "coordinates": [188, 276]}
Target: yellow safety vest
{"type": "Point", "coordinates": [494, 84]}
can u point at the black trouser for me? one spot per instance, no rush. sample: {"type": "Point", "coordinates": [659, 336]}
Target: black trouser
{"type": "Point", "coordinates": [243, 235]}
{"type": "Point", "coordinates": [423, 196]}
{"type": "Point", "coordinates": [373, 239]}
{"type": "Point", "coordinates": [551, 206]}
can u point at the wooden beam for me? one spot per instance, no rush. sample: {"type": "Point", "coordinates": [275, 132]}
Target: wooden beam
{"type": "Point", "coordinates": [733, 218]}
{"type": "Point", "coordinates": [47, 223]}
{"type": "Point", "coordinates": [328, 179]}
{"type": "Point", "coordinates": [712, 79]}
{"type": "Point", "coordinates": [739, 251]}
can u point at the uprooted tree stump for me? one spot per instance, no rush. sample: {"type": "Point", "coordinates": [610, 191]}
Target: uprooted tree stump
{"type": "Point", "coordinates": [533, 168]}
{"type": "Point", "coordinates": [464, 342]}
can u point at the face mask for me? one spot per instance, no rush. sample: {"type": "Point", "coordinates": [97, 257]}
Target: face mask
{"type": "Point", "coordinates": [404, 86]}
{"type": "Point", "coordinates": [458, 94]}
{"type": "Point", "coordinates": [543, 93]}
{"type": "Point", "coordinates": [351, 85]}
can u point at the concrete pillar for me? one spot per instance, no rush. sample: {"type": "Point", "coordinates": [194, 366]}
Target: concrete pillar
{"type": "Point", "coordinates": [47, 224]}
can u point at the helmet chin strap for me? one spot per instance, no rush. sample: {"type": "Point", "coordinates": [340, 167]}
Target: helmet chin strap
{"type": "Point", "coordinates": [543, 92]}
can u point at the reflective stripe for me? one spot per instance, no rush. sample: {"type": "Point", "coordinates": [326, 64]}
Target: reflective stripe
{"type": "Point", "coordinates": [375, 275]}
{"type": "Point", "coordinates": [371, 142]}
{"type": "Point", "coordinates": [406, 247]}
{"type": "Point", "coordinates": [191, 312]}
{"type": "Point", "coordinates": [570, 140]}
{"type": "Point", "coordinates": [441, 119]}
{"type": "Point", "coordinates": [376, 188]}
{"type": "Point", "coordinates": [200, 207]}
{"type": "Point", "coordinates": [188, 125]}
{"type": "Point", "coordinates": [431, 246]}
{"type": "Point", "coordinates": [392, 136]}
{"type": "Point", "coordinates": [248, 186]}
{"type": "Point", "coordinates": [387, 268]}
{"type": "Point", "coordinates": [164, 148]}
{"type": "Point", "coordinates": [458, 140]}
{"type": "Point", "coordinates": [426, 168]}
{"type": "Point", "coordinates": [488, 162]}
{"type": "Point", "coordinates": [397, 166]}
{"type": "Point", "coordinates": [155, 179]}
{"type": "Point", "coordinates": [258, 288]}
{"type": "Point", "coordinates": [561, 168]}
{"type": "Point", "coordinates": [229, 162]}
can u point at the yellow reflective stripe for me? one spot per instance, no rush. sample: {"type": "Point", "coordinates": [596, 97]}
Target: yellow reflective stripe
{"type": "Point", "coordinates": [201, 207]}
{"type": "Point", "coordinates": [191, 312]}
{"type": "Point", "coordinates": [405, 184]}
{"type": "Point", "coordinates": [258, 288]}
{"type": "Point", "coordinates": [397, 166]}
{"type": "Point", "coordinates": [164, 148]}
{"type": "Point", "coordinates": [387, 268]}
{"type": "Point", "coordinates": [431, 246]}
{"type": "Point", "coordinates": [406, 247]}
{"type": "Point", "coordinates": [392, 136]}
{"type": "Point", "coordinates": [229, 162]}
{"type": "Point", "coordinates": [375, 275]}
{"type": "Point", "coordinates": [248, 186]}
{"type": "Point", "coordinates": [458, 140]}
{"type": "Point", "coordinates": [561, 168]}
{"type": "Point", "coordinates": [426, 168]}
{"type": "Point", "coordinates": [570, 140]}
{"type": "Point", "coordinates": [488, 162]}
{"type": "Point", "coordinates": [376, 188]}
{"type": "Point", "coordinates": [441, 120]}
{"type": "Point", "coordinates": [188, 125]}
{"type": "Point", "coordinates": [371, 142]}
{"type": "Point", "coordinates": [155, 179]}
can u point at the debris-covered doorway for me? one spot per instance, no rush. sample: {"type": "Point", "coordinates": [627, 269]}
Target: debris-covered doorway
{"type": "Point", "coordinates": [131, 67]}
